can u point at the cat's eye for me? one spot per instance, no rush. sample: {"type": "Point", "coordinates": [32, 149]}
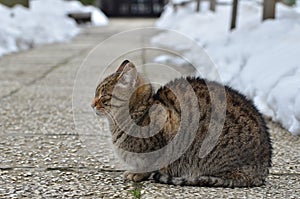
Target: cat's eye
{"type": "Point", "coordinates": [105, 99]}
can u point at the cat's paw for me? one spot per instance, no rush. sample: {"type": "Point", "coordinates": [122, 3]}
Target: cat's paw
{"type": "Point", "coordinates": [135, 177]}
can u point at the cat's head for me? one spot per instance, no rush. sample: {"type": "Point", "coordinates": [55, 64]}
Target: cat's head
{"type": "Point", "coordinates": [115, 90]}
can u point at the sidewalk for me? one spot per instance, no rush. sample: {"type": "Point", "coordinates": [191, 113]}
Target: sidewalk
{"type": "Point", "coordinates": [42, 156]}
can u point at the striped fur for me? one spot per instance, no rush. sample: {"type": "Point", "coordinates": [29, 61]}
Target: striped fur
{"type": "Point", "coordinates": [205, 181]}
{"type": "Point", "coordinates": [241, 156]}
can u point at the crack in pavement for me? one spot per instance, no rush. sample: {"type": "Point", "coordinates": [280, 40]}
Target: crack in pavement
{"type": "Point", "coordinates": [61, 169]}
{"type": "Point", "coordinates": [51, 134]}
{"type": "Point", "coordinates": [100, 170]}
{"type": "Point", "coordinates": [44, 75]}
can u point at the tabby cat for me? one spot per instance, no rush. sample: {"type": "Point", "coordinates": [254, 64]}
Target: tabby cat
{"type": "Point", "coordinates": [240, 156]}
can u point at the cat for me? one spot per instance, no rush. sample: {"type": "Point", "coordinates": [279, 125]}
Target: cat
{"type": "Point", "coordinates": [240, 157]}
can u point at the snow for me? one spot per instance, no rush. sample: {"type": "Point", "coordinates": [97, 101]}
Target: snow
{"type": "Point", "coordinates": [297, 7]}
{"type": "Point", "coordinates": [44, 22]}
{"type": "Point", "coordinates": [260, 59]}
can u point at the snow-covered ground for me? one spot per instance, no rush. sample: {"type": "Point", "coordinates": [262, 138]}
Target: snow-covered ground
{"type": "Point", "coordinates": [260, 59]}
{"type": "Point", "coordinates": [44, 22]}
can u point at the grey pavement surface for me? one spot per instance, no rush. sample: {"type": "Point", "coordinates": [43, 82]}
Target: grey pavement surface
{"type": "Point", "coordinates": [42, 153]}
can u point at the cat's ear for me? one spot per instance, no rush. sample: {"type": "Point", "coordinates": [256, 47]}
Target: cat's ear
{"type": "Point", "coordinates": [122, 66]}
{"type": "Point", "coordinates": [127, 74]}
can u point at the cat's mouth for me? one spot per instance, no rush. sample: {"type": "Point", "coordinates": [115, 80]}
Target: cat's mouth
{"type": "Point", "coordinates": [102, 112]}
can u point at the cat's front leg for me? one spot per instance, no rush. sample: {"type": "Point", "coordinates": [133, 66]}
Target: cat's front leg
{"type": "Point", "coordinates": [136, 177]}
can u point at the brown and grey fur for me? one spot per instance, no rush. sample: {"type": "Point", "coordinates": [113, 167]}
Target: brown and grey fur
{"type": "Point", "coordinates": [241, 157]}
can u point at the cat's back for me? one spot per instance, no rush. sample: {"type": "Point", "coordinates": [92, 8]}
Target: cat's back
{"type": "Point", "coordinates": [209, 94]}
{"type": "Point", "coordinates": [244, 130]}
{"type": "Point", "coordinates": [184, 89]}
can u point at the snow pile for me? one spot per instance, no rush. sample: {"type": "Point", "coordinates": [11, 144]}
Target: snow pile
{"type": "Point", "coordinates": [297, 5]}
{"type": "Point", "coordinates": [260, 60]}
{"type": "Point", "coordinates": [44, 22]}
{"type": "Point", "coordinates": [61, 8]}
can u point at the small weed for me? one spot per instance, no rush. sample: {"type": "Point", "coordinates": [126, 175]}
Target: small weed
{"type": "Point", "coordinates": [137, 191]}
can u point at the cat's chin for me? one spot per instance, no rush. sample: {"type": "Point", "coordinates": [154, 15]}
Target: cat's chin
{"type": "Point", "coordinates": [103, 113]}
{"type": "Point", "coordinates": [100, 113]}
